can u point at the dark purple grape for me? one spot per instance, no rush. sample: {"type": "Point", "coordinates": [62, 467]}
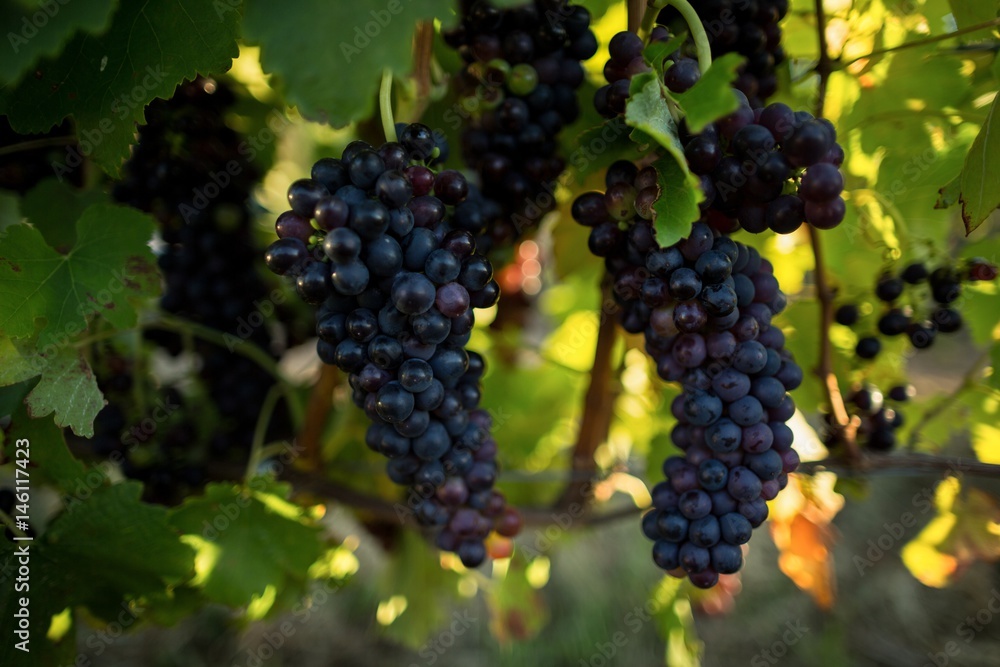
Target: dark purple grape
{"type": "Point", "coordinates": [682, 75]}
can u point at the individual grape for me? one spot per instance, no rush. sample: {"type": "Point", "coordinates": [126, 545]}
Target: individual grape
{"type": "Point", "coordinates": [751, 142]}
{"type": "Point", "coordinates": [284, 256]}
{"type": "Point", "coordinates": [726, 558]}
{"type": "Point", "coordinates": [821, 182]}
{"type": "Point", "coordinates": [451, 187]}
{"type": "Point", "coordinates": [785, 214]}
{"type": "Point", "coordinates": [342, 245]}
{"type": "Point", "coordinates": [947, 320]}
{"type": "Point", "coordinates": [685, 284]}
{"type": "Point", "coordinates": [291, 225]}
{"type": "Point", "coordinates": [921, 334]}
{"type": "Point", "coordinates": [712, 475]}
{"type": "Point", "coordinates": [825, 215]}
{"type": "Point", "coordinates": [915, 273]}
{"type": "Point", "coordinates": [672, 526]}
{"type": "Point", "coordinates": [868, 347]}
{"type": "Point", "coordinates": [889, 288]}
{"type": "Point", "coordinates": [704, 532]}
{"type": "Point", "coordinates": [624, 47]}
{"type": "Point", "coordinates": [703, 154]}
{"type": "Point", "coordinates": [694, 504]}
{"type": "Point", "coordinates": [893, 323]}
{"type": "Point", "coordinates": [847, 314]}
{"type": "Point", "coordinates": [666, 555]}
{"type": "Point", "coordinates": [692, 558]}
{"type": "Point", "coordinates": [682, 75]}
{"type": "Point", "coordinates": [413, 293]}
{"type": "Point", "coordinates": [303, 195]}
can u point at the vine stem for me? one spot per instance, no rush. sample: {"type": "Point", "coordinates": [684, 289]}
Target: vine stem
{"type": "Point", "coordinates": [385, 106]}
{"type": "Point", "coordinates": [636, 16]}
{"type": "Point", "coordinates": [648, 20]}
{"type": "Point", "coordinates": [396, 511]}
{"type": "Point", "coordinates": [423, 56]}
{"type": "Point", "coordinates": [243, 348]}
{"type": "Point", "coordinates": [260, 430]}
{"type": "Point", "coordinates": [37, 143]}
{"type": "Point", "coordinates": [695, 27]}
{"type": "Point", "coordinates": [824, 66]}
{"type": "Point", "coordinates": [847, 428]}
{"type": "Point", "coordinates": [317, 410]}
{"type": "Point", "coordinates": [598, 403]}
{"type": "Point", "coordinates": [928, 40]}
{"type": "Point", "coordinates": [97, 337]}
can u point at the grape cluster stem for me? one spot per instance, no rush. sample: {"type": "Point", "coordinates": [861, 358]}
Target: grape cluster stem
{"type": "Point", "coordinates": [824, 294]}
{"type": "Point", "coordinates": [317, 410]}
{"type": "Point", "coordinates": [695, 27]}
{"type": "Point", "coordinates": [598, 404]}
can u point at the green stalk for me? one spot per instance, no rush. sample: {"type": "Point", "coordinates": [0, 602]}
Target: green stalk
{"type": "Point", "coordinates": [695, 27]}
{"type": "Point", "coordinates": [697, 32]}
{"type": "Point", "coordinates": [385, 106]}
{"type": "Point", "coordinates": [260, 430]}
{"type": "Point", "coordinates": [648, 21]}
{"type": "Point", "coordinates": [243, 348]}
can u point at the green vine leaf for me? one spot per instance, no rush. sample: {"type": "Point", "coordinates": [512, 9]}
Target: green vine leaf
{"type": "Point", "coordinates": [54, 206]}
{"type": "Point", "coordinates": [104, 82]}
{"type": "Point", "coordinates": [109, 266]}
{"type": "Point", "coordinates": [972, 12]}
{"type": "Point", "coordinates": [229, 522]}
{"type": "Point", "coordinates": [676, 209]}
{"type": "Point", "coordinates": [980, 180]}
{"type": "Point", "coordinates": [680, 190]}
{"type": "Point", "coordinates": [656, 53]}
{"type": "Point", "coordinates": [38, 29]}
{"type": "Point", "coordinates": [949, 195]}
{"type": "Point", "coordinates": [336, 79]}
{"type": "Point", "coordinates": [107, 551]}
{"type": "Point", "coordinates": [110, 545]}
{"type": "Point", "coordinates": [712, 96]}
{"type": "Point", "coordinates": [67, 387]}
{"type": "Point", "coordinates": [601, 145]}
{"type": "Point", "coordinates": [977, 187]}
{"type": "Point", "coordinates": [51, 460]}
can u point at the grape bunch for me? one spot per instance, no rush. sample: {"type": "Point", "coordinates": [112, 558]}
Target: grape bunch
{"type": "Point", "coordinates": [705, 306]}
{"type": "Point", "coordinates": [369, 241]}
{"type": "Point", "coordinates": [173, 174]}
{"type": "Point", "coordinates": [765, 168]}
{"type": "Point", "coordinates": [750, 29]}
{"type": "Point", "coordinates": [770, 168]}
{"type": "Point", "coordinates": [918, 302]}
{"type": "Point", "coordinates": [181, 172]}
{"type": "Point", "coordinates": [521, 75]}
{"type": "Point", "coordinates": [879, 416]}
{"type": "Point", "coordinates": [169, 453]}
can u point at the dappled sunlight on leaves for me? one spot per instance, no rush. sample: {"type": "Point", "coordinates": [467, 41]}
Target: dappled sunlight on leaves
{"type": "Point", "coordinates": [965, 531]}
